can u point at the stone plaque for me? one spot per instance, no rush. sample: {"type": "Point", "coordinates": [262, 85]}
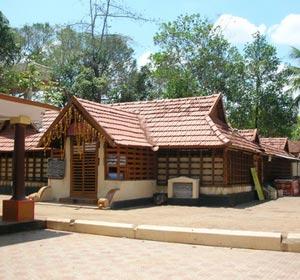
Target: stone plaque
{"type": "Point", "coordinates": [56, 168]}
{"type": "Point", "coordinates": [182, 190]}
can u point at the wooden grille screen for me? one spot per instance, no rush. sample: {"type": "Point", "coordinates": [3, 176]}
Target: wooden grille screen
{"type": "Point", "coordinates": [277, 168]}
{"type": "Point", "coordinates": [129, 163]}
{"type": "Point", "coordinates": [6, 166]}
{"type": "Point", "coordinates": [84, 169]}
{"type": "Point", "coordinates": [206, 165]}
{"type": "Point", "coordinates": [35, 167]}
{"type": "Point", "coordinates": [239, 167]}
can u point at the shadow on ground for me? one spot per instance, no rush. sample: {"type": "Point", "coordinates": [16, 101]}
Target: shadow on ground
{"type": "Point", "coordinates": [22, 237]}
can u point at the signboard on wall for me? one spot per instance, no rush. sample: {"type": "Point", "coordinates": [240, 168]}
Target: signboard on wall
{"type": "Point", "coordinates": [56, 168]}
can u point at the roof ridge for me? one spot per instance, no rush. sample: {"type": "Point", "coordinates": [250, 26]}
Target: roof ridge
{"type": "Point", "coordinates": [165, 99]}
{"type": "Point", "coordinates": [107, 106]}
{"type": "Point", "coordinates": [216, 130]}
{"type": "Point", "coordinates": [145, 129]}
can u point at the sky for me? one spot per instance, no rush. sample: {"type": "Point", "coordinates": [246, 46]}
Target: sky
{"type": "Point", "coordinates": [278, 19]}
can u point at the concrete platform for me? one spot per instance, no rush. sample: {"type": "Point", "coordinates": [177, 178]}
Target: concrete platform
{"type": "Point", "coordinates": [197, 236]}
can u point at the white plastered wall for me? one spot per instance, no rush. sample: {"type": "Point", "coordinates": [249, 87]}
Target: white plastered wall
{"type": "Point", "coordinates": [128, 189]}
{"type": "Point", "coordinates": [296, 168]}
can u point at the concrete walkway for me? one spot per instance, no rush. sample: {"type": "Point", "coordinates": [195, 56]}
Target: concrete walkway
{"type": "Point", "coordinates": [61, 255]}
{"type": "Point", "coordinates": [280, 215]}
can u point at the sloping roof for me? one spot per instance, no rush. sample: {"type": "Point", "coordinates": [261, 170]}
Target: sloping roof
{"type": "Point", "coordinates": [32, 136]}
{"type": "Point", "coordinates": [125, 128]}
{"type": "Point", "coordinates": [276, 147]}
{"type": "Point", "coordinates": [249, 134]}
{"type": "Point", "coordinates": [294, 147]}
{"type": "Point", "coordinates": [278, 143]}
{"type": "Point", "coordinates": [28, 102]}
{"type": "Point", "coordinates": [237, 140]}
{"type": "Point", "coordinates": [189, 122]}
{"type": "Point", "coordinates": [184, 122]}
{"type": "Point", "coordinates": [178, 122]}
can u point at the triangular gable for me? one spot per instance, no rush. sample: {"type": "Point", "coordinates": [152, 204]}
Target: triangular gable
{"type": "Point", "coordinates": [217, 111]}
{"type": "Point", "coordinates": [73, 112]}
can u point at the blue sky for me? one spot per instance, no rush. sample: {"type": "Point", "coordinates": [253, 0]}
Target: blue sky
{"type": "Point", "coordinates": [279, 19]}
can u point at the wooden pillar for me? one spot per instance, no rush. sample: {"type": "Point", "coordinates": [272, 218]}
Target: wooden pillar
{"type": "Point", "coordinates": [18, 208]}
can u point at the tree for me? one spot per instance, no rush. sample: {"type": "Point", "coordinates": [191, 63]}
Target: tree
{"type": "Point", "coordinates": [8, 47]}
{"type": "Point", "coordinates": [107, 53]}
{"type": "Point", "coordinates": [296, 130]}
{"type": "Point", "coordinates": [295, 74]}
{"type": "Point", "coordinates": [195, 59]}
{"type": "Point", "coordinates": [264, 104]}
{"type": "Point", "coordinates": [35, 41]}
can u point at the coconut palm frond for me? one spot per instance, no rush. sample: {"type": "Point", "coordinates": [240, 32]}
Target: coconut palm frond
{"type": "Point", "coordinates": [295, 53]}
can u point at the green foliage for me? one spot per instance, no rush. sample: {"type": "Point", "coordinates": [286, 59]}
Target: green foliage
{"type": "Point", "coordinates": [263, 104]}
{"type": "Point", "coordinates": [295, 74]}
{"type": "Point", "coordinates": [296, 130]}
{"type": "Point", "coordinates": [194, 59]}
{"type": "Point", "coordinates": [35, 41]}
{"type": "Point", "coordinates": [8, 47]}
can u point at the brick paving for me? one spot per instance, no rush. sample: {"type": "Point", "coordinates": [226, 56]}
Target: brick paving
{"type": "Point", "coordinates": [60, 255]}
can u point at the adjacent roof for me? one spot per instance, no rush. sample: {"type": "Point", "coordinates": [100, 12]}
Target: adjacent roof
{"type": "Point", "coordinates": [26, 101]}
{"type": "Point", "coordinates": [278, 143]}
{"type": "Point", "coordinates": [294, 147]}
{"type": "Point", "coordinates": [249, 134]}
{"type": "Point", "coordinates": [32, 134]}
{"type": "Point", "coordinates": [276, 147]}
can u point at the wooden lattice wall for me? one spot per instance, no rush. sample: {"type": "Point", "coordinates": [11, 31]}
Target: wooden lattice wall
{"type": "Point", "coordinates": [35, 166]}
{"type": "Point", "coordinates": [277, 168]}
{"type": "Point", "coordinates": [239, 164]}
{"type": "Point", "coordinates": [203, 164]}
{"type": "Point", "coordinates": [129, 163]}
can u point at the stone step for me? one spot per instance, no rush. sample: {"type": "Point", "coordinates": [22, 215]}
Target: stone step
{"type": "Point", "coordinates": [78, 200]}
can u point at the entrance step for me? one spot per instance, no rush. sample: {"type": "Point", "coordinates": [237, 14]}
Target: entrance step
{"type": "Point", "coordinates": [78, 200]}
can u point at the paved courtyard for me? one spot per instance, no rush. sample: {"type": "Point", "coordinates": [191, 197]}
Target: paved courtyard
{"type": "Point", "coordinates": [280, 215]}
{"type": "Point", "coordinates": [60, 255]}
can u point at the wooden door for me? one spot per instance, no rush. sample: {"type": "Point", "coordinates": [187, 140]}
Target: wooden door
{"type": "Point", "coordinates": [84, 161]}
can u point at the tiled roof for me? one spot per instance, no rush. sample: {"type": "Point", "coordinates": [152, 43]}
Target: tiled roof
{"type": "Point", "coordinates": [249, 134]}
{"type": "Point", "coordinates": [294, 147]}
{"type": "Point", "coordinates": [186, 122]}
{"type": "Point", "coordinates": [125, 128]}
{"type": "Point", "coordinates": [32, 135]}
{"type": "Point", "coordinates": [178, 122]}
{"type": "Point", "coordinates": [238, 140]}
{"type": "Point", "coordinates": [275, 147]}
{"type": "Point", "coordinates": [278, 143]}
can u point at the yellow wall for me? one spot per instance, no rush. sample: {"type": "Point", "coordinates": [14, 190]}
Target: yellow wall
{"type": "Point", "coordinates": [128, 189]}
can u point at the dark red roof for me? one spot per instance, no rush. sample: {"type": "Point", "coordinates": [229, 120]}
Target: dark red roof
{"type": "Point", "coordinates": [275, 146]}
{"type": "Point", "coordinates": [184, 122]}
{"type": "Point", "coordinates": [294, 147]}
{"type": "Point", "coordinates": [32, 135]}
{"type": "Point", "coordinates": [249, 134]}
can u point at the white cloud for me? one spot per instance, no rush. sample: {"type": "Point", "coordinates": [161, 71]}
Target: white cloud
{"type": "Point", "coordinates": [237, 29]}
{"type": "Point", "coordinates": [143, 59]}
{"type": "Point", "coordinates": [287, 31]}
